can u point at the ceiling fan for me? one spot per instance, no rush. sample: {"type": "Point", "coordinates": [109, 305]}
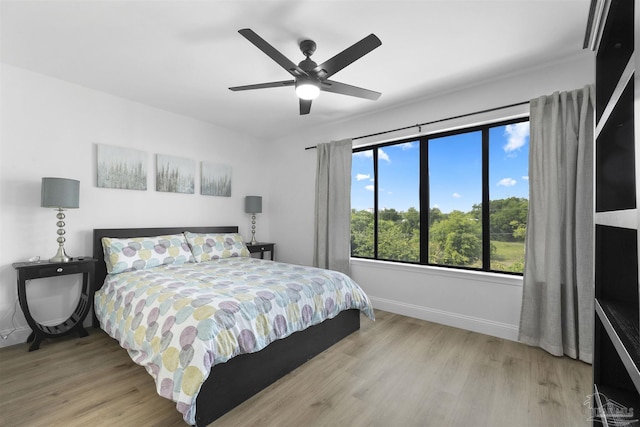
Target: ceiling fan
{"type": "Point", "coordinates": [309, 77]}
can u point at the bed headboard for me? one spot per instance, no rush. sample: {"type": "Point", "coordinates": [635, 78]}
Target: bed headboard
{"type": "Point", "coordinates": [99, 233]}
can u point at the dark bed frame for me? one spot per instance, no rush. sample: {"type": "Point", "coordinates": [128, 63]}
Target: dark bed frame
{"type": "Point", "coordinates": [233, 382]}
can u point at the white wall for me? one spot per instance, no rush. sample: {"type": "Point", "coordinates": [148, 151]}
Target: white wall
{"type": "Point", "coordinates": [51, 128]}
{"type": "Point", "coordinates": [485, 303]}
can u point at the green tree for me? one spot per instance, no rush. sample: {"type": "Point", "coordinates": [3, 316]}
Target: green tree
{"type": "Point", "coordinates": [508, 219]}
{"type": "Point", "coordinates": [455, 240]}
{"type": "Point", "coordinates": [476, 211]}
{"type": "Point", "coordinates": [395, 245]}
{"type": "Point", "coordinates": [435, 215]}
{"type": "Point", "coordinates": [520, 230]}
{"type": "Point", "coordinates": [389, 215]}
{"type": "Point", "coordinates": [362, 233]}
{"type": "Point", "coordinates": [410, 222]}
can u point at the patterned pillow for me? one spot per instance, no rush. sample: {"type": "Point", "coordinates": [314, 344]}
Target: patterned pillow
{"type": "Point", "coordinates": [138, 253]}
{"type": "Point", "coordinates": [208, 246]}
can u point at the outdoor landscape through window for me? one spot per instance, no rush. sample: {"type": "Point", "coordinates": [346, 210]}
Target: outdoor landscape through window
{"type": "Point", "coordinates": [443, 180]}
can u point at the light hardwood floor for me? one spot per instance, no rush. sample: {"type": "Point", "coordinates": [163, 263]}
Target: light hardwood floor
{"type": "Point", "coordinates": [397, 371]}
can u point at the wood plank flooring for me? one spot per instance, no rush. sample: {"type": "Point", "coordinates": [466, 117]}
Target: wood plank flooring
{"type": "Point", "coordinates": [397, 371]}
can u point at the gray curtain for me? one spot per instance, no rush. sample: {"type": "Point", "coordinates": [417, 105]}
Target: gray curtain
{"type": "Point", "coordinates": [558, 293]}
{"type": "Point", "coordinates": [332, 231]}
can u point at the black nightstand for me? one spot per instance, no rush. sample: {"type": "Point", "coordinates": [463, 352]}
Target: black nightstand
{"type": "Point", "coordinates": [42, 269]}
{"type": "Point", "coordinates": [261, 248]}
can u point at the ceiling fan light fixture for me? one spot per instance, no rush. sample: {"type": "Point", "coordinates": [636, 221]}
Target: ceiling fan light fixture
{"type": "Point", "coordinates": [310, 78]}
{"type": "Point", "coordinates": [307, 90]}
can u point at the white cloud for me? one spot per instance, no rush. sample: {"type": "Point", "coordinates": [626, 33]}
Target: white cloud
{"type": "Point", "coordinates": [518, 134]}
{"type": "Point", "coordinates": [369, 187]}
{"type": "Point", "coordinates": [368, 154]}
{"type": "Point", "coordinates": [436, 206]}
{"type": "Point", "coordinates": [407, 146]}
{"type": "Point", "coordinates": [507, 182]}
{"type": "Point", "coordinates": [361, 176]}
{"type": "Point", "coordinates": [456, 195]}
{"type": "Point", "coordinates": [526, 178]}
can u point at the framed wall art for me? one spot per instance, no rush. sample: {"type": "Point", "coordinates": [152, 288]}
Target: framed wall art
{"type": "Point", "coordinates": [120, 167]}
{"type": "Point", "coordinates": [175, 174]}
{"type": "Point", "coordinates": [215, 179]}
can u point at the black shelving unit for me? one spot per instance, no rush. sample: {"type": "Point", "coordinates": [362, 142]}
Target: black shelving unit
{"type": "Point", "coordinates": [616, 362]}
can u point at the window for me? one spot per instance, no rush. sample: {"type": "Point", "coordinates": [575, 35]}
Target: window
{"type": "Point", "coordinates": [469, 186]}
{"type": "Point", "coordinates": [455, 187]}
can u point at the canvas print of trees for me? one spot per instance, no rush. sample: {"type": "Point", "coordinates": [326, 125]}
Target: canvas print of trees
{"type": "Point", "coordinates": [121, 168]}
{"type": "Point", "coordinates": [215, 180]}
{"type": "Point", "coordinates": [175, 174]}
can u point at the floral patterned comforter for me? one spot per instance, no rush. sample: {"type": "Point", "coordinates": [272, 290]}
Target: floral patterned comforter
{"type": "Point", "coordinates": [179, 320]}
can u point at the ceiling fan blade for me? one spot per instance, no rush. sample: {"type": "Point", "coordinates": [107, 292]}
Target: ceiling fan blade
{"type": "Point", "coordinates": [305, 106]}
{"type": "Point", "coordinates": [345, 89]}
{"type": "Point", "coordinates": [272, 52]}
{"type": "Point", "coordinates": [347, 56]}
{"type": "Point", "coordinates": [264, 85]}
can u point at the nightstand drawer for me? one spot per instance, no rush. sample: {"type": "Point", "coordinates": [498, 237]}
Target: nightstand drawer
{"type": "Point", "coordinates": [58, 270]}
{"type": "Point", "coordinates": [261, 248]}
{"type": "Point", "coordinates": [35, 270]}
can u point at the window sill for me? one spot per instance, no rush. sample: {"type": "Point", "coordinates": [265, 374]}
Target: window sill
{"type": "Point", "coordinates": [482, 276]}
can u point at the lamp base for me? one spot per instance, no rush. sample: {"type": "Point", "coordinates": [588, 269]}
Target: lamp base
{"type": "Point", "coordinates": [61, 256]}
{"type": "Point", "coordinates": [253, 229]}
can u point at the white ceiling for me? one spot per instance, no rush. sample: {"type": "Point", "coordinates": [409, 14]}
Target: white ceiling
{"type": "Point", "coordinates": [182, 55]}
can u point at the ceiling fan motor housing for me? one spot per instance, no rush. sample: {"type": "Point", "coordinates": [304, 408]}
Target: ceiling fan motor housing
{"type": "Point", "coordinates": [307, 65]}
{"type": "Point", "coordinates": [308, 47]}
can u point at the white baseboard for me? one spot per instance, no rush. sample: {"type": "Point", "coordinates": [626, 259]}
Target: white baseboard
{"type": "Point", "coordinates": [21, 333]}
{"type": "Point", "coordinates": [19, 336]}
{"type": "Point", "coordinates": [475, 324]}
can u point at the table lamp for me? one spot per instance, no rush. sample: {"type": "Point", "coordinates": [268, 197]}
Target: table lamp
{"type": "Point", "coordinates": [253, 205]}
{"type": "Point", "coordinates": [61, 194]}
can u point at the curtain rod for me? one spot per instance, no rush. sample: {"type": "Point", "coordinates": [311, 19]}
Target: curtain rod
{"type": "Point", "coordinates": [419, 125]}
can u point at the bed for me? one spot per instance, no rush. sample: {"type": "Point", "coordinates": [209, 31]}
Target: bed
{"type": "Point", "coordinates": [259, 358]}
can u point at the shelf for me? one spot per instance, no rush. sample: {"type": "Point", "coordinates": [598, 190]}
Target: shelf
{"type": "Point", "coordinates": [626, 399]}
{"type": "Point", "coordinates": [615, 177]}
{"type": "Point", "coordinates": [627, 74]}
{"type": "Point", "coordinates": [621, 324]}
{"type": "Point", "coordinates": [626, 218]}
{"type": "Point", "coordinates": [616, 261]}
{"type": "Point", "coordinates": [614, 51]}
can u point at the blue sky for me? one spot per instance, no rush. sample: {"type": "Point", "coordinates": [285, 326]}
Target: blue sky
{"type": "Point", "coordinates": [455, 171]}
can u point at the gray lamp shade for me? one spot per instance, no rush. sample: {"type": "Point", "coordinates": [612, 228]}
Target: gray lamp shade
{"type": "Point", "coordinates": [253, 204]}
{"type": "Point", "coordinates": [60, 193]}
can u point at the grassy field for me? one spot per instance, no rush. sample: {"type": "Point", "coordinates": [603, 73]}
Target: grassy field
{"type": "Point", "coordinates": [509, 256]}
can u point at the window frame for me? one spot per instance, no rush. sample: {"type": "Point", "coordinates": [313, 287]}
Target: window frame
{"type": "Point", "coordinates": [424, 202]}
